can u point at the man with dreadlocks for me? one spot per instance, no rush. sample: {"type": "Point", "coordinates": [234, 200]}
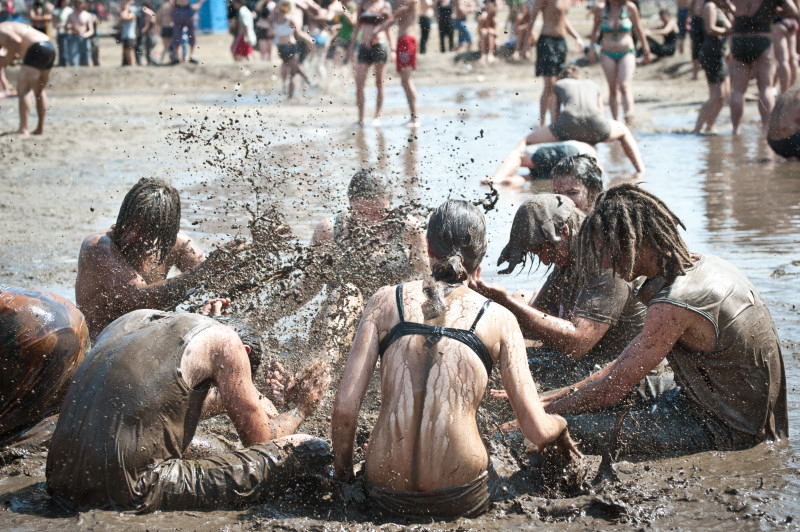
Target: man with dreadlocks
{"type": "Point", "coordinates": [704, 316]}
{"type": "Point", "coordinates": [583, 320]}
{"type": "Point", "coordinates": [125, 268]}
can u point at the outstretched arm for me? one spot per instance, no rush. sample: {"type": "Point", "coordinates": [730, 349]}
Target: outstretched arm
{"type": "Point", "coordinates": [355, 379]}
{"type": "Point", "coordinates": [538, 426]}
{"type": "Point", "coordinates": [663, 328]}
{"type": "Point", "coordinates": [574, 338]}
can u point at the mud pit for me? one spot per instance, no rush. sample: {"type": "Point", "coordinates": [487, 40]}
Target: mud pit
{"type": "Point", "coordinates": [110, 127]}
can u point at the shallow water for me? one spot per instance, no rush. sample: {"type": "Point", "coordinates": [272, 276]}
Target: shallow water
{"type": "Point", "coordinates": [734, 199]}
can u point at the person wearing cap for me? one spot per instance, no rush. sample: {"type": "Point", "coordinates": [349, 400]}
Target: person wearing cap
{"type": "Point", "coordinates": [133, 407]}
{"type": "Point", "coordinates": [704, 316]}
{"type": "Point", "coordinates": [577, 115]}
{"type": "Point", "coordinates": [539, 160]}
{"type": "Point", "coordinates": [371, 246]}
{"type": "Point", "coordinates": [584, 320]}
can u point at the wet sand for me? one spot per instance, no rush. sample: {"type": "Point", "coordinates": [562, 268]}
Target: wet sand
{"type": "Point", "coordinates": [194, 125]}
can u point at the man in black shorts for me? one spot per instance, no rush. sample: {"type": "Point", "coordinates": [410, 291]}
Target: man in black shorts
{"type": "Point", "coordinates": [38, 54]}
{"type": "Point", "coordinates": [551, 48]}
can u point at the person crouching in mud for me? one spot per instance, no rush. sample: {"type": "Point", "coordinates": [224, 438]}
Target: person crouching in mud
{"type": "Point", "coordinates": [437, 341]}
{"type": "Point", "coordinates": [370, 250]}
{"type": "Point", "coordinates": [583, 319]}
{"type": "Point", "coordinates": [125, 268]}
{"type": "Point", "coordinates": [134, 405]}
{"type": "Point", "coordinates": [704, 316]}
{"type": "Point", "coordinates": [43, 340]}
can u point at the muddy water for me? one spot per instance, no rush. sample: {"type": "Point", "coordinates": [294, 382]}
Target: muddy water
{"type": "Point", "coordinates": [735, 200]}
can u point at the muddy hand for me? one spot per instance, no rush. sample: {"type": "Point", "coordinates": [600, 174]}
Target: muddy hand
{"type": "Point", "coordinates": [312, 386]}
{"type": "Point", "coordinates": [281, 385]}
{"type": "Point", "coordinates": [494, 292]}
{"type": "Point", "coordinates": [567, 447]}
{"type": "Point", "coordinates": [216, 307]}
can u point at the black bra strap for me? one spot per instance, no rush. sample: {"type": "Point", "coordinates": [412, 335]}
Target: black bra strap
{"type": "Point", "coordinates": [480, 315]}
{"type": "Point", "coordinates": [398, 295]}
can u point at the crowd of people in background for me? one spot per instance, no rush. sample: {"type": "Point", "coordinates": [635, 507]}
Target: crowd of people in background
{"type": "Point", "coordinates": [315, 39]}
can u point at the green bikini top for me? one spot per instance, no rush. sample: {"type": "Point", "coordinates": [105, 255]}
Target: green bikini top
{"type": "Point", "coordinates": [625, 23]}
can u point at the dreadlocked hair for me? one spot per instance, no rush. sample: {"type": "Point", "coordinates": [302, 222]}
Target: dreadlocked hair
{"type": "Point", "coordinates": [153, 208]}
{"type": "Point", "coordinates": [623, 219]}
{"type": "Point", "coordinates": [457, 239]}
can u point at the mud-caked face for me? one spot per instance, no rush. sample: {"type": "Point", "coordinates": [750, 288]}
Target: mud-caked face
{"type": "Point", "coordinates": [573, 189]}
{"type": "Point", "coordinates": [553, 252]}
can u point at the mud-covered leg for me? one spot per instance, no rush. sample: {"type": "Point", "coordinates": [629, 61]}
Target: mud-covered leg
{"type": "Point", "coordinates": [231, 480]}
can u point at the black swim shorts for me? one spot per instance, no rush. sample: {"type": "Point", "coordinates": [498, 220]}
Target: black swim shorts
{"type": "Point", "coordinates": [697, 36]}
{"type": "Point", "coordinates": [377, 53]}
{"type": "Point", "coordinates": [747, 49]}
{"type": "Point", "coordinates": [286, 51]}
{"type": "Point", "coordinates": [40, 56]}
{"type": "Point", "coordinates": [591, 130]}
{"type": "Point", "coordinates": [551, 55]}
{"type": "Point", "coordinates": [788, 147]}
{"type": "Point", "coordinates": [166, 32]}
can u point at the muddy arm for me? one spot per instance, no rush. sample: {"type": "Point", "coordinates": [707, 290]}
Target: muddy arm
{"type": "Point", "coordinates": [355, 380]}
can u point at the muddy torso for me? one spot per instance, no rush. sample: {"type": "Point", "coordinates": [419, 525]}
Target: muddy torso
{"type": "Point", "coordinates": [742, 381]}
{"type": "Point", "coordinates": [128, 407]}
{"type": "Point", "coordinates": [605, 298]}
{"type": "Point", "coordinates": [43, 340]}
{"type": "Point", "coordinates": [426, 436]}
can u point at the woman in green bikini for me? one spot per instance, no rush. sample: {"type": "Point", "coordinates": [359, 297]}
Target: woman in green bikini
{"type": "Point", "coordinates": [615, 21]}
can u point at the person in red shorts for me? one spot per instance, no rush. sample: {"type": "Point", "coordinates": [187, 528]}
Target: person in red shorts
{"type": "Point", "coordinates": [246, 34]}
{"type": "Point", "coordinates": [406, 16]}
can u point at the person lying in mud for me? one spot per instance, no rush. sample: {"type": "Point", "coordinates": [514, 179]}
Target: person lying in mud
{"type": "Point", "coordinates": [43, 340]}
{"type": "Point", "coordinates": [125, 268]}
{"type": "Point", "coordinates": [134, 405]}
{"type": "Point", "coordinates": [585, 319]}
{"type": "Point", "coordinates": [704, 316]}
{"type": "Point", "coordinates": [437, 341]}
{"type": "Point", "coordinates": [371, 247]}
{"type": "Point", "coordinates": [539, 161]}
{"type": "Point", "coordinates": [577, 115]}
{"type": "Point", "coordinates": [783, 131]}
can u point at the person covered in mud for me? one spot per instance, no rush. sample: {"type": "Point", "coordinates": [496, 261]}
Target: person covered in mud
{"type": "Point", "coordinates": [43, 340]}
{"type": "Point", "coordinates": [125, 268]}
{"type": "Point", "coordinates": [704, 316]}
{"type": "Point", "coordinates": [584, 319]}
{"type": "Point", "coordinates": [21, 42]}
{"type": "Point", "coordinates": [539, 160]}
{"type": "Point", "coordinates": [134, 405]}
{"type": "Point", "coordinates": [371, 247]}
{"type": "Point", "coordinates": [437, 341]}
{"type": "Point", "coordinates": [577, 115]}
{"type": "Point", "coordinates": [783, 132]}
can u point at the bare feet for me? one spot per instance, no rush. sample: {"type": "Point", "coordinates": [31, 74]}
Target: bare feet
{"type": "Point", "coordinates": [413, 123]}
{"type": "Point", "coordinates": [38, 131]}
{"type": "Point", "coordinates": [23, 133]}
{"type": "Point", "coordinates": [376, 122]}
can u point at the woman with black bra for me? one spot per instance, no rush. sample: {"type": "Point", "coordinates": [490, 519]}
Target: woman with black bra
{"type": "Point", "coordinates": [437, 341]}
{"type": "Point", "coordinates": [716, 28]}
{"type": "Point", "coordinates": [750, 47]}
